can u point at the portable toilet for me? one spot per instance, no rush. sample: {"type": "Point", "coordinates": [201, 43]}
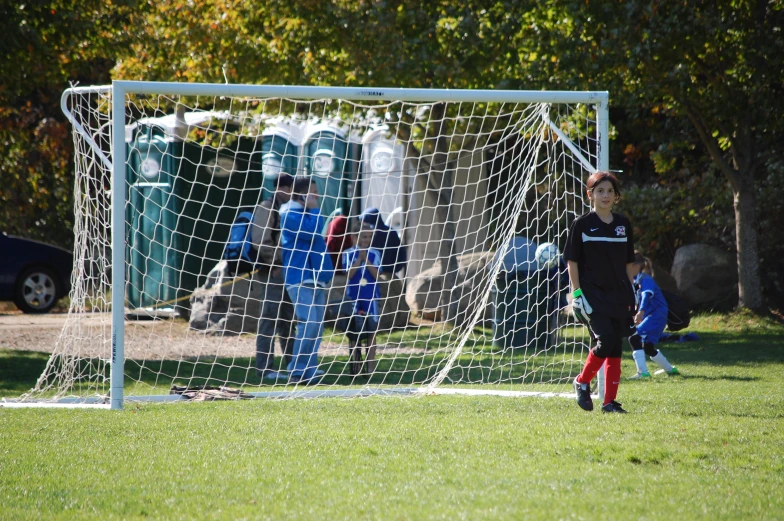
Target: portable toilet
{"type": "Point", "coordinates": [383, 180]}
{"type": "Point", "coordinates": [182, 199]}
{"type": "Point", "coordinates": [280, 151]}
{"type": "Point", "coordinates": [331, 158]}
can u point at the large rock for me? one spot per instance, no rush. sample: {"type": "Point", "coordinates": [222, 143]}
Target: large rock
{"type": "Point", "coordinates": [707, 276]}
{"type": "Point", "coordinates": [470, 286]}
{"type": "Point", "coordinates": [664, 279]}
{"type": "Point", "coordinates": [225, 304]}
{"type": "Point", "coordinates": [335, 296]}
{"type": "Point", "coordinates": [232, 306]}
{"type": "Point", "coordinates": [394, 308]}
{"type": "Point", "coordinates": [423, 292]}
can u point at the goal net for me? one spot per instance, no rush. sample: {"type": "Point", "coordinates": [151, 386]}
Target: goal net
{"type": "Point", "coordinates": [429, 260]}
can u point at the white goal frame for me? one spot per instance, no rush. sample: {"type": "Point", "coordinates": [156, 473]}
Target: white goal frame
{"type": "Point", "coordinates": [121, 88]}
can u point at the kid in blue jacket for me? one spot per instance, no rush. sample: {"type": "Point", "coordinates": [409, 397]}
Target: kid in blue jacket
{"type": "Point", "coordinates": [651, 319]}
{"type": "Point", "coordinates": [363, 264]}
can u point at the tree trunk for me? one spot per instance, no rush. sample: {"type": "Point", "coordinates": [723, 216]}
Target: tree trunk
{"type": "Point", "coordinates": [442, 183]}
{"type": "Point", "coordinates": [749, 284]}
{"type": "Point", "coordinates": [740, 174]}
{"type": "Point", "coordinates": [435, 181]}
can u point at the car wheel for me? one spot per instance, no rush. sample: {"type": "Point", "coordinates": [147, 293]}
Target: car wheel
{"type": "Point", "coordinates": [36, 290]}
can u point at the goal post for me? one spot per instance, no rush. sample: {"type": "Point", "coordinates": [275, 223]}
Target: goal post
{"type": "Point", "coordinates": [471, 182]}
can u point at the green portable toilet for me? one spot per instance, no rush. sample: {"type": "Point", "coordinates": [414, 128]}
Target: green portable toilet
{"type": "Point", "coordinates": [151, 215]}
{"type": "Point", "coordinates": [332, 159]}
{"type": "Point", "coordinates": [182, 199]}
{"type": "Point", "coordinates": [280, 151]}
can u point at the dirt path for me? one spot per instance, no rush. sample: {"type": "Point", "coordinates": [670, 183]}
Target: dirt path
{"type": "Point", "coordinates": [144, 339]}
{"type": "Point", "coordinates": [30, 332]}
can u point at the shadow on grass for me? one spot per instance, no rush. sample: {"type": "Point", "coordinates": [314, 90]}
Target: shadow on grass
{"type": "Point", "coordinates": [480, 362]}
{"type": "Point", "coordinates": [727, 378]}
{"type": "Point", "coordinates": [19, 370]}
{"type": "Point", "coordinates": [727, 349]}
{"type": "Point", "coordinates": [408, 370]}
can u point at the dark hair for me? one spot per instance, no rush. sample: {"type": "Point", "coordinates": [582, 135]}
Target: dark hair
{"type": "Point", "coordinates": [598, 177]}
{"type": "Point", "coordinates": [301, 186]}
{"type": "Point", "coordinates": [644, 261]}
{"type": "Point", "coordinates": [283, 179]}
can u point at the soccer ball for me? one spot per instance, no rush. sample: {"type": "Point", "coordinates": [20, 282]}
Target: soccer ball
{"type": "Point", "coordinates": [547, 255]}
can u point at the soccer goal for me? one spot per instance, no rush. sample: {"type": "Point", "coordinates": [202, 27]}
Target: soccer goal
{"type": "Point", "coordinates": [456, 204]}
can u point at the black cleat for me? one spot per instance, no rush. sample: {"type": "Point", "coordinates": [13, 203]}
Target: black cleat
{"type": "Point", "coordinates": [583, 395]}
{"type": "Point", "coordinates": [613, 406]}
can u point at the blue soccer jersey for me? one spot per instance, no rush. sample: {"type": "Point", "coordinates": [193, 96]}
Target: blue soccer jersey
{"type": "Point", "coordinates": [651, 299]}
{"type": "Point", "coordinates": [654, 307]}
{"type": "Point", "coordinates": [362, 289]}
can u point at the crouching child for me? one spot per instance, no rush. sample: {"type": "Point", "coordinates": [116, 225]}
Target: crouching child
{"type": "Point", "coordinates": [651, 319]}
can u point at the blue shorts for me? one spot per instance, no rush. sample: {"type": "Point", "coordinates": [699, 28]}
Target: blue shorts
{"type": "Point", "coordinates": [651, 328]}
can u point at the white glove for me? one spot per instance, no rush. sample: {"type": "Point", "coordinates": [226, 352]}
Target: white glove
{"type": "Point", "coordinates": [580, 306]}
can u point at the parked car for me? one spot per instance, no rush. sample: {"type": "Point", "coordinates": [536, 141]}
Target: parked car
{"type": "Point", "coordinates": [33, 275]}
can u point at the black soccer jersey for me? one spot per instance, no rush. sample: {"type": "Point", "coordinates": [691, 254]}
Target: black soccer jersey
{"type": "Point", "coordinates": [601, 251]}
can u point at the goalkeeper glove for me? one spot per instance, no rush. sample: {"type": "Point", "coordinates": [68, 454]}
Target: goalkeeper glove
{"type": "Point", "coordinates": [580, 306]}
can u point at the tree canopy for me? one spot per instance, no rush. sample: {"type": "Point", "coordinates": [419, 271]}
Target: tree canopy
{"type": "Point", "coordinates": [695, 85]}
{"type": "Point", "coordinates": [715, 64]}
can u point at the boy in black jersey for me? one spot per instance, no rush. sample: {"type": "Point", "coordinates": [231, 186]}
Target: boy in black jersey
{"type": "Point", "coordinates": [600, 258]}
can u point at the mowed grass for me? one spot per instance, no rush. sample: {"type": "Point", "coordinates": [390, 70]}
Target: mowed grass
{"type": "Point", "coordinates": [426, 353]}
{"type": "Point", "coordinates": [707, 445]}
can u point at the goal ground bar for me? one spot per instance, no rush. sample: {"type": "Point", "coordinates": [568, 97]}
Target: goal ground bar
{"type": "Point", "coordinates": [102, 403]}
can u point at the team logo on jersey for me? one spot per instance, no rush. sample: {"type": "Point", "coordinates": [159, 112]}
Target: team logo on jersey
{"type": "Point", "coordinates": [620, 231]}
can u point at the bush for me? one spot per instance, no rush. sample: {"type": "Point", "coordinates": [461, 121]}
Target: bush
{"type": "Point", "coordinates": [36, 195]}
{"type": "Point", "coordinates": [669, 215]}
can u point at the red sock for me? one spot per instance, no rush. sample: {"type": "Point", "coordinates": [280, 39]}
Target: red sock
{"type": "Point", "coordinates": [612, 377]}
{"type": "Point", "coordinates": [592, 366]}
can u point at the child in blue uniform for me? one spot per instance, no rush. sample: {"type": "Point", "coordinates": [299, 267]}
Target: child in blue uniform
{"type": "Point", "coordinates": [362, 263]}
{"type": "Point", "coordinates": [651, 319]}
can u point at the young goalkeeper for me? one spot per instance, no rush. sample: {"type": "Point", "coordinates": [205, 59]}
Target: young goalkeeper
{"type": "Point", "coordinates": [600, 260]}
{"type": "Point", "coordinates": [651, 319]}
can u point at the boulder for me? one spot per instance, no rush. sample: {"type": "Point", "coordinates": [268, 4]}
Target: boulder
{"type": "Point", "coordinates": [470, 285]}
{"type": "Point", "coordinates": [664, 279]}
{"type": "Point", "coordinates": [226, 304]}
{"type": "Point", "coordinates": [335, 296]}
{"type": "Point", "coordinates": [394, 308]}
{"type": "Point", "coordinates": [706, 276]}
{"type": "Point", "coordinates": [423, 291]}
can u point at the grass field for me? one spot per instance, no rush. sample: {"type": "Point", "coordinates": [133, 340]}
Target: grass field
{"type": "Point", "coordinates": [707, 445]}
